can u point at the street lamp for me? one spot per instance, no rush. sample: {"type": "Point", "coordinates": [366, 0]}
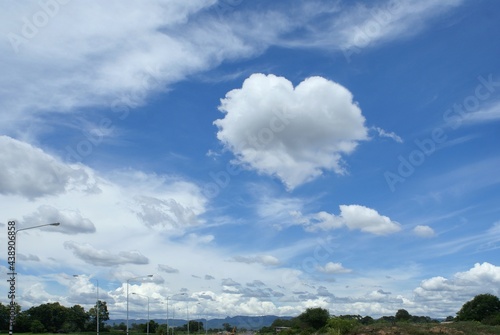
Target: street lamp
{"type": "Point", "coordinates": [199, 321]}
{"type": "Point", "coordinates": [128, 281]}
{"type": "Point", "coordinates": [173, 320]}
{"type": "Point", "coordinates": [98, 311]}
{"type": "Point", "coordinates": [187, 313]}
{"type": "Point", "coordinates": [167, 315]}
{"type": "Point", "coordinates": [147, 325]}
{"type": "Point", "coordinates": [12, 236]}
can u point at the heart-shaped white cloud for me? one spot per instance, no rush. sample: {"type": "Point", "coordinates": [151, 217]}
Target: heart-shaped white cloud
{"type": "Point", "coordinates": [292, 133]}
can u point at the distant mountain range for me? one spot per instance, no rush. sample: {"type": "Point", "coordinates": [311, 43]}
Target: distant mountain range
{"type": "Point", "coordinates": [247, 322]}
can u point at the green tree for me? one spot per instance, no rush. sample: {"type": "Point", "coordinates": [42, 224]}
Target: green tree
{"type": "Point", "coordinates": [122, 326]}
{"type": "Point", "coordinates": [92, 314]}
{"type": "Point", "coordinates": [4, 316]}
{"type": "Point", "coordinates": [195, 326]}
{"type": "Point", "coordinates": [153, 326]}
{"type": "Point", "coordinates": [161, 329]}
{"type": "Point", "coordinates": [367, 320]}
{"type": "Point", "coordinates": [402, 315]}
{"type": "Point", "coordinates": [23, 322]}
{"type": "Point", "coordinates": [51, 315]}
{"type": "Point", "coordinates": [37, 327]}
{"type": "Point", "coordinates": [227, 327]}
{"type": "Point", "coordinates": [481, 307]}
{"type": "Point", "coordinates": [315, 318]}
{"type": "Point", "coordinates": [76, 320]}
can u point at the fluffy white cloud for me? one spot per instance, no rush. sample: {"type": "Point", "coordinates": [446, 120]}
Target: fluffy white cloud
{"type": "Point", "coordinates": [437, 284]}
{"type": "Point", "coordinates": [331, 267]}
{"type": "Point", "coordinates": [355, 217]}
{"type": "Point", "coordinates": [292, 133]}
{"type": "Point", "coordinates": [30, 172]}
{"type": "Point", "coordinates": [368, 220]}
{"type": "Point", "coordinates": [481, 274]}
{"type": "Point", "coordinates": [424, 231]}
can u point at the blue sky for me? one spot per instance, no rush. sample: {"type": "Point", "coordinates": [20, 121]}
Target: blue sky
{"type": "Point", "coordinates": [255, 157]}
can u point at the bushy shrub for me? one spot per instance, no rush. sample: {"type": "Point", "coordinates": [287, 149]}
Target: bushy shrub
{"type": "Point", "coordinates": [492, 320]}
{"type": "Point", "coordinates": [338, 326]}
{"type": "Point", "coordinates": [37, 327]}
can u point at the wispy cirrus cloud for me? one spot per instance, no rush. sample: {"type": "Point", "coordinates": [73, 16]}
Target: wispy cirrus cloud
{"type": "Point", "coordinates": [266, 260]}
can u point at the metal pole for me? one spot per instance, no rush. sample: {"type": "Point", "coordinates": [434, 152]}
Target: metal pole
{"type": "Point", "coordinates": [98, 311]}
{"type": "Point", "coordinates": [127, 304]}
{"type": "Point", "coordinates": [167, 316]}
{"type": "Point", "coordinates": [173, 317]}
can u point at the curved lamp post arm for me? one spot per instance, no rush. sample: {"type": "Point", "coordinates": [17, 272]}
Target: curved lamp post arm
{"type": "Point", "coordinates": [42, 225]}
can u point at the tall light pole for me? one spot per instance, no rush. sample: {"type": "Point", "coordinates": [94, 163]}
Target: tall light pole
{"type": "Point", "coordinates": [147, 325]}
{"type": "Point", "coordinates": [173, 318]}
{"type": "Point", "coordinates": [11, 260]}
{"type": "Point", "coordinates": [167, 315]}
{"type": "Point", "coordinates": [199, 321]}
{"type": "Point", "coordinates": [128, 282]}
{"type": "Point", "coordinates": [98, 310]}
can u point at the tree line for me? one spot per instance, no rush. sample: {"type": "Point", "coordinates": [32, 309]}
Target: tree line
{"type": "Point", "coordinates": [195, 326]}
{"type": "Point", "coordinates": [53, 318]}
{"type": "Point", "coordinates": [484, 308]}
